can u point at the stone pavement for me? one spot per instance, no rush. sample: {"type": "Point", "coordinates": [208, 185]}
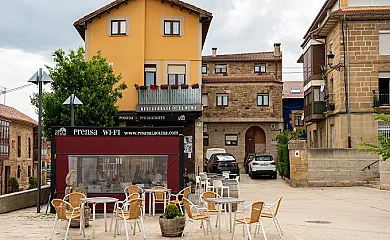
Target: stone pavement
{"type": "Point", "coordinates": [305, 213]}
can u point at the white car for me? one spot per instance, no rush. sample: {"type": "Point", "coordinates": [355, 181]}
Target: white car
{"type": "Point", "coordinates": [262, 164]}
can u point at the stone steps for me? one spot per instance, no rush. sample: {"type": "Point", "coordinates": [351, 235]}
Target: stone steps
{"type": "Point", "coordinates": [372, 184]}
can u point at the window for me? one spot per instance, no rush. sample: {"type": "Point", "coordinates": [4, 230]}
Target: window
{"type": "Point", "coordinates": [4, 139]}
{"type": "Point", "coordinates": [263, 99]}
{"type": "Point", "coordinates": [231, 140]}
{"type": "Point", "coordinates": [316, 95]}
{"type": "Point", "coordinates": [29, 147]}
{"type": "Point", "coordinates": [171, 27]}
{"type": "Point", "coordinates": [205, 100]}
{"type": "Point", "coordinates": [204, 69]}
{"type": "Point", "coordinates": [19, 170]}
{"type": "Point", "coordinates": [29, 171]}
{"type": "Point", "coordinates": [205, 139]}
{"type": "Point", "coordinates": [176, 74]}
{"type": "Point", "coordinates": [150, 75]}
{"type": "Point", "coordinates": [384, 42]}
{"type": "Point", "coordinates": [298, 120]}
{"type": "Point", "coordinates": [295, 91]}
{"type": "Point", "coordinates": [118, 27]}
{"type": "Point", "coordinates": [222, 100]}
{"type": "Point", "coordinates": [260, 69]}
{"type": "Point", "coordinates": [111, 173]}
{"type": "Point", "coordinates": [220, 68]}
{"type": "Point", "coordinates": [19, 146]}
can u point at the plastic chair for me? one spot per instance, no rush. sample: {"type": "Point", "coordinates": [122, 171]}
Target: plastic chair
{"type": "Point", "coordinates": [238, 185]}
{"type": "Point", "coordinates": [203, 180]}
{"type": "Point", "coordinates": [211, 206]}
{"type": "Point", "coordinates": [217, 184]}
{"type": "Point", "coordinates": [255, 218]}
{"type": "Point", "coordinates": [159, 197]}
{"type": "Point", "coordinates": [62, 213]}
{"type": "Point", "coordinates": [184, 193]}
{"type": "Point", "coordinates": [226, 175]}
{"type": "Point", "coordinates": [197, 184]}
{"type": "Point", "coordinates": [273, 212]}
{"type": "Point", "coordinates": [133, 213]}
{"type": "Point", "coordinates": [117, 211]}
{"type": "Point", "coordinates": [199, 215]}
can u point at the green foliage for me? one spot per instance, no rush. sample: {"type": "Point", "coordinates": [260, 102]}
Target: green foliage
{"type": "Point", "coordinates": [283, 162]}
{"type": "Point", "coordinates": [13, 184]}
{"type": "Point", "coordinates": [192, 180]}
{"type": "Point", "coordinates": [172, 211]}
{"type": "Point", "coordinates": [93, 82]}
{"type": "Point", "coordinates": [33, 181]}
{"type": "Point", "coordinates": [383, 148]}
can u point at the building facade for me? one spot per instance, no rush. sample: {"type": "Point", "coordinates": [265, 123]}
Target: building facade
{"type": "Point", "coordinates": [346, 63]}
{"type": "Point", "coordinates": [242, 102]}
{"type": "Point", "coordinates": [16, 148]}
{"type": "Point", "coordinates": [293, 107]}
{"type": "Point", "coordinates": [156, 46]}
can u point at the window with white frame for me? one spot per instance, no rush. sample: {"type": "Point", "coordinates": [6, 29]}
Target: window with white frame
{"type": "Point", "coordinates": [384, 42]}
{"type": "Point", "coordinates": [222, 100]}
{"type": "Point", "coordinates": [221, 68]}
{"type": "Point", "coordinates": [118, 27]}
{"type": "Point", "coordinates": [260, 68]}
{"type": "Point", "coordinates": [263, 99]}
{"type": "Point", "coordinates": [231, 140]}
{"type": "Point", "coordinates": [204, 69]}
{"type": "Point", "coordinates": [176, 74]}
{"type": "Point", "coordinates": [150, 74]}
{"type": "Point", "coordinates": [172, 27]}
{"type": "Point", "coordinates": [298, 121]}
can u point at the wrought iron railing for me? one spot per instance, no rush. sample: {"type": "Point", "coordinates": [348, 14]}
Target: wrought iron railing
{"type": "Point", "coordinates": [384, 97]}
{"type": "Point", "coordinates": [329, 102]}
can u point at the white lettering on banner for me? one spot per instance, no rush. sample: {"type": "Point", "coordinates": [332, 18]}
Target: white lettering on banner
{"type": "Point", "coordinates": [151, 133]}
{"type": "Point", "coordinates": [109, 132]}
{"type": "Point", "coordinates": [85, 132]}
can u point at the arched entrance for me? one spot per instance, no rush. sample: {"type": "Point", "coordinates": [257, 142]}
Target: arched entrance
{"type": "Point", "coordinates": [255, 140]}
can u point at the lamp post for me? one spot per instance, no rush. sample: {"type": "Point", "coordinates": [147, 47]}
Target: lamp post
{"type": "Point", "coordinates": [72, 100]}
{"type": "Point", "coordinates": [38, 78]}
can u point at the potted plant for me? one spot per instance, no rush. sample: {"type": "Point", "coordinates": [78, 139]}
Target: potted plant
{"type": "Point", "coordinates": [172, 222]}
{"type": "Point", "coordinates": [195, 85]}
{"type": "Point", "coordinates": [164, 86]}
{"type": "Point", "coordinates": [174, 86]}
{"type": "Point", "coordinates": [331, 107]}
{"type": "Point", "coordinates": [136, 86]}
{"type": "Point", "coordinates": [143, 87]}
{"type": "Point", "coordinates": [184, 86]}
{"type": "Point", "coordinates": [193, 184]}
{"type": "Point", "coordinates": [376, 100]}
{"type": "Point", "coordinates": [154, 87]}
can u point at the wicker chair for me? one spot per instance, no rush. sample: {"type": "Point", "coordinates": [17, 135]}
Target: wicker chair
{"type": "Point", "coordinates": [62, 213]}
{"type": "Point", "coordinates": [272, 213]}
{"type": "Point", "coordinates": [133, 213]}
{"type": "Point", "coordinates": [117, 211]}
{"type": "Point", "coordinates": [199, 215]}
{"type": "Point", "coordinates": [135, 189]}
{"type": "Point", "coordinates": [211, 206]}
{"type": "Point", "coordinates": [159, 198]}
{"type": "Point", "coordinates": [184, 194]}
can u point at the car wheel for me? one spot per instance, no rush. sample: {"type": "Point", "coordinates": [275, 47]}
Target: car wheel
{"type": "Point", "coordinates": [252, 176]}
{"type": "Point", "coordinates": [275, 176]}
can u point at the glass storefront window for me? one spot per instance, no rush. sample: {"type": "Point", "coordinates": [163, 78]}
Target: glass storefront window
{"type": "Point", "coordinates": [112, 174]}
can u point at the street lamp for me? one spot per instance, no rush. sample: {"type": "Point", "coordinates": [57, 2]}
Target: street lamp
{"type": "Point", "coordinates": [38, 78]}
{"type": "Point", "coordinates": [72, 100]}
{"type": "Point", "coordinates": [330, 57]}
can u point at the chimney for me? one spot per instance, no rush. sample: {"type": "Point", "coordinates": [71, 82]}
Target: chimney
{"type": "Point", "coordinates": [214, 52]}
{"type": "Point", "coordinates": [277, 52]}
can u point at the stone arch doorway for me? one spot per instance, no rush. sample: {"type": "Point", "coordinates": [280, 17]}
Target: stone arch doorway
{"type": "Point", "coordinates": [255, 140]}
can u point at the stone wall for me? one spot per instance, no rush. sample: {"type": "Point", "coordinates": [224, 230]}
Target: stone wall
{"type": "Point", "coordinates": [384, 170]}
{"type": "Point", "coordinates": [330, 167]}
{"type": "Point", "coordinates": [24, 199]}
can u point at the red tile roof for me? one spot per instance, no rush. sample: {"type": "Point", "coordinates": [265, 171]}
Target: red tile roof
{"type": "Point", "coordinates": [244, 57]}
{"type": "Point", "coordinates": [205, 16]}
{"type": "Point", "coordinates": [10, 113]}
{"type": "Point", "coordinates": [239, 79]}
{"type": "Point", "coordinates": [288, 86]}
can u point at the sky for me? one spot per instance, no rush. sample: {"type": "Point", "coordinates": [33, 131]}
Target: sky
{"type": "Point", "coordinates": [31, 30]}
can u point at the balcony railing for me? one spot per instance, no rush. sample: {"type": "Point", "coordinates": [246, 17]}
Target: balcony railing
{"type": "Point", "coordinates": [384, 97]}
{"type": "Point", "coordinates": [329, 103]}
{"type": "Point", "coordinates": [170, 99]}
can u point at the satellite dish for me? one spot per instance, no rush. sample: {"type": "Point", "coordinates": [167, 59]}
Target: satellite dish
{"type": "Point", "coordinates": [322, 87]}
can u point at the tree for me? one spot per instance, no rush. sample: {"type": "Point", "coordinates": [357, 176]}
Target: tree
{"type": "Point", "coordinates": [93, 82]}
{"type": "Point", "coordinates": [383, 148]}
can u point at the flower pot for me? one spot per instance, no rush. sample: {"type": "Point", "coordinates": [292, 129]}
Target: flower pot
{"type": "Point", "coordinates": [174, 87]}
{"type": "Point", "coordinates": [143, 87]}
{"type": "Point", "coordinates": [172, 227]}
{"type": "Point", "coordinates": [164, 86]}
{"type": "Point", "coordinates": [184, 86]}
{"type": "Point", "coordinates": [331, 108]}
{"type": "Point", "coordinates": [376, 103]}
{"type": "Point", "coordinates": [195, 86]}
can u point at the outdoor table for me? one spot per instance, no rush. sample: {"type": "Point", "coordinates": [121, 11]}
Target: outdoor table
{"type": "Point", "coordinates": [225, 200]}
{"type": "Point", "coordinates": [94, 201]}
{"type": "Point", "coordinates": [157, 190]}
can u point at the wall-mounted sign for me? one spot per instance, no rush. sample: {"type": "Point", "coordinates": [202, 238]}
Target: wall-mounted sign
{"type": "Point", "coordinates": [126, 132]}
{"type": "Point", "coordinates": [157, 117]}
{"type": "Point", "coordinates": [169, 108]}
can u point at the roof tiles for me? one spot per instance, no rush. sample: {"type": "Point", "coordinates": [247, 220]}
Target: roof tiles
{"type": "Point", "coordinates": [239, 79]}
{"type": "Point", "coordinates": [288, 86]}
{"type": "Point", "coordinates": [245, 57]}
{"type": "Point", "coordinates": [10, 113]}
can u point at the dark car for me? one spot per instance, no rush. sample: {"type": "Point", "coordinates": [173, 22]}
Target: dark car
{"type": "Point", "coordinates": [247, 160]}
{"type": "Point", "coordinates": [222, 162]}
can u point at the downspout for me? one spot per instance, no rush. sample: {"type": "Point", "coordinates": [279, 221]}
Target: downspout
{"type": "Point", "coordinates": [347, 74]}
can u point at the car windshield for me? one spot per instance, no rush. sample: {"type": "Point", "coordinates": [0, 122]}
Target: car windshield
{"type": "Point", "coordinates": [264, 158]}
{"type": "Point", "coordinates": [250, 157]}
{"type": "Point", "coordinates": [228, 158]}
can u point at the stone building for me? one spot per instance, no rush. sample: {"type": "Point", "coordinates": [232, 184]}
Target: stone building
{"type": "Point", "coordinates": [346, 63]}
{"type": "Point", "coordinates": [293, 106]}
{"type": "Point", "coordinates": [242, 102]}
{"type": "Point", "coordinates": [16, 147]}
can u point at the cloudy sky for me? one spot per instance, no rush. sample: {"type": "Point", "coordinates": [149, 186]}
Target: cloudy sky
{"type": "Point", "coordinates": [31, 30]}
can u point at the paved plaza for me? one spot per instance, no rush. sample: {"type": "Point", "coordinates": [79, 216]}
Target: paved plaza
{"type": "Point", "coordinates": [305, 213]}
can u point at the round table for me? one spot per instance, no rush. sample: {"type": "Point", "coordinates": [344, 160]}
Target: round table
{"type": "Point", "coordinates": [94, 201]}
{"type": "Point", "coordinates": [225, 200]}
{"type": "Point", "coordinates": [158, 190]}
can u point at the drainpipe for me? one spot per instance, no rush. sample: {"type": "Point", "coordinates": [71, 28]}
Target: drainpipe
{"type": "Point", "coordinates": [347, 72]}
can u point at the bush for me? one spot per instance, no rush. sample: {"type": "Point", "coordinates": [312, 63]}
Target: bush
{"type": "Point", "coordinates": [283, 161]}
{"type": "Point", "coordinates": [33, 181]}
{"type": "Point", "coordinates": [193, 181]}
{"type": "Point", "coordinates": [171, 212]}
{"type": "Point", "coordinates": [13, 184]}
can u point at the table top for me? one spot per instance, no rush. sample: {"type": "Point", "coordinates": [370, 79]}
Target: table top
{"type": "Point", "coordinates": [100, 199]}
{"type": "Point", "coordinates": [225, 200]}
{"type": "Point", "coordinates": [157, 190]}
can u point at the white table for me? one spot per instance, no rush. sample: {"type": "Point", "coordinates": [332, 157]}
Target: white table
{"type": "Point", "coordinates": [158, 190]}
{"type": "Point", "coordinates": [94, 201]}
{"type": "Point", "coordinates": [225, 200]}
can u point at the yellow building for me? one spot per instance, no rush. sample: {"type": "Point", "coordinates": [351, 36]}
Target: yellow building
{"type": "Point", "coordinates": [156, 46]}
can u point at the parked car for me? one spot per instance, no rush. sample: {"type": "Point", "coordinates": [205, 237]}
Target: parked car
{"type": "Point", "coordinates": [210, 152]}
{"type": "Point", "coordinates": [247, 160]}
{"type": "Point", "coordinates": [222, 162]}
{"type": "Point", "coordinates": [262, 164]}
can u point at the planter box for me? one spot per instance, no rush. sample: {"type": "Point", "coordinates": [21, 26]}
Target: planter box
{"type": "Point", "coordinates": [384, 172]}
{"type": "Point", "coordinates": [172, 227]}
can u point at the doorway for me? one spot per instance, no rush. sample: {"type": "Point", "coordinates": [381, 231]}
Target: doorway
{"type": "Point", "coordinates": [6, 179]}
{"type": "Point", "coordinates": [255, 140]}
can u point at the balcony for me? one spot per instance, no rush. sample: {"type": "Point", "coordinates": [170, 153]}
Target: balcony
{"type": "Point", "coordinates": [329, 103]}
{"type": "Point", "coordinates": [169, 99]}
{"type": "Point", "coordinates": [315, 112]}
